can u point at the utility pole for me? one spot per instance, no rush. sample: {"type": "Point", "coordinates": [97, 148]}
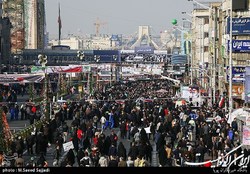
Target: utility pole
{"type": "Point", "coordinates": [230, 62]}
{"type": "Point", "coordinates": [214, 55]}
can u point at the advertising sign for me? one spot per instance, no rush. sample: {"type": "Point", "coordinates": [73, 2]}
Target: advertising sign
{"type": "Point", "coordinates": [246, 136]}
{"type": "Point", "coordinates": [242, 46]}
{"type": "Point", "coordinates": [238, 74]}
{"type": "Point", "coordinates": [247, 84]}
{"type": "Point", "coordinates": [144, 50]}
{"type": "Point", "coordinates": [237, 90]}
{"type": "Point", "coordinates": [240, 26]}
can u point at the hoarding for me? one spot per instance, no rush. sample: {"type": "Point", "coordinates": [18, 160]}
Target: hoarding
{"type": "Point", "coordinates": [238, 74]}
{"type": "Point", "coordinates": [247, 84]}
{"type": "Point", "coordinates": [240, 26]}
{"type": "Point", "coordinates": [241, 46]}
{"type": "Point", "coordinates": [144, 50]}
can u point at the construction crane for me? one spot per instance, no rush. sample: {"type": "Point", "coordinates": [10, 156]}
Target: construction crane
{"type": "Point", "coordinates": [98, 24]}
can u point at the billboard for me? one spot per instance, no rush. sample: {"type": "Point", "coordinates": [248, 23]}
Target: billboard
{"type": "Point", "coordinates": [241, 46]}
{"type": "Point", "coordinates": [238, 74]}
{"type": "Point", "coordinates": [247, 85]}
{"type": "Point", "coordinates": [144, 50]}
{"type": "Point", "coordinates": [240, 26]}
{"type": "Point", "coordinates": [246, 136]}
{"type": "Point", "coordinates": [110, 56]}
{"type": "Point", "coordinates": [237, 90]}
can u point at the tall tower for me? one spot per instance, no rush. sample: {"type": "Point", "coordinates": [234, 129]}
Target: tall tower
{"type": "Point", "coordinates": [13, 9]}
{"type": "Point", "coordinates": [34, 11]}
{"type": "Point", "coordinates": [144, 38]}
{"type": "Point", "coordinates": [27, 18]}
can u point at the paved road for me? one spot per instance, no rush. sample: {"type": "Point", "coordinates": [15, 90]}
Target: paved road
{"type": "Point", "coordinates": [17, 125]}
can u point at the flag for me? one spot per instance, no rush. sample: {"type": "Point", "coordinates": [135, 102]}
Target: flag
{"type": "Point", "coordinates": [221, 103]}
{"type": "Point", "coordinates": [59, 23]}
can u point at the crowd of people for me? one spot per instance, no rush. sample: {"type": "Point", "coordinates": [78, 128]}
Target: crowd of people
{"type": "Point", "coordinates": [137, 112]}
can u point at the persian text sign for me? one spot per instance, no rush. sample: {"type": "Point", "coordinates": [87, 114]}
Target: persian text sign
{"type": "Point", "coordinates": [240, 26]}
{"type": "Point", "coordinates": [240, 46]}
{"type": "Point", "coordinates": [246, 136]}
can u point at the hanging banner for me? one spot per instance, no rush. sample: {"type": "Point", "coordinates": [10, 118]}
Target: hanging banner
{"type": "Point", "coordinates": [247, 84]}
{"type": "Point", "coordinates": [246, 136]}
{"type": "Point", "coordinates": [20, 78]}
{"type": "Point", "coordinates": [237, 90]}
{"type": "Point", "coordinates": [57, 69]}
{"type": "Point", "coordinates": [240, 26]}
{"type": "Point", "coordinates": [238, 74]}
{"type": "Point", "coordinates": [241, 46]}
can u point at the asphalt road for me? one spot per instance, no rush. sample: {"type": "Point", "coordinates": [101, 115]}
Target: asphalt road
{"type": "Point", "coordinates": [16, 125]}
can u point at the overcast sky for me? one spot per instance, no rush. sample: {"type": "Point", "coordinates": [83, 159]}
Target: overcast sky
{"type": "Point", "coordinates": [117, 16]}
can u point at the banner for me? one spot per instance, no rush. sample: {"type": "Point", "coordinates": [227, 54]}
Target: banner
{"type": "Point", "coordinates": [237, 90]}
{"type": "Point", "coordinates": [241, 46]}
{"type": "Point", "coordinates": [238, 74]}
{"type": "Point", "coordinates": [57, 69]}
{"type": "Point", "coordinates": [247, 84]}
{"type": "Point", "coordinates": [240, 26]}
{"type": "Point", "coordinates": [67, 146]}
{"type": "Point", "coordinates": [20, 78]}
{"type": "Point", "coordinates": [246, 136]}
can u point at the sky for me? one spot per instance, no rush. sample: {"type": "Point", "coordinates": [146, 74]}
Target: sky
{"type": "Point", "coordinates": [115, 16]}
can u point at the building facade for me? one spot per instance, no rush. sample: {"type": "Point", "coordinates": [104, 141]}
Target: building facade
{"type": "Point", "coordinates": [211, 47]}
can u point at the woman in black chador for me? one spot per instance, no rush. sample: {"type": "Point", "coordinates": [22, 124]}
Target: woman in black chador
{"type": "Point", "coordinates": [106, 145]}
{"type": "Point", "coordinates": [121, 151]}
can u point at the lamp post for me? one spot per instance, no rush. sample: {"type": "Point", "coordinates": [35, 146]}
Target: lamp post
{"type": "Point", "coordinates": [80, 55]}
{"type": "Point", "coordinates": [42, 60]}
{"type": "Point", "coordinates": [230, 100]}
{"type": "Point", "coordinates": [183, 12]}
{"type": "Point", "coordinates": [214, 58]}
{"type": "Point", "coordinates": [189, 58]}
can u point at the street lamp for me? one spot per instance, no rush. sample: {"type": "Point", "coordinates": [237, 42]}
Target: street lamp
{"type": "Point", "coordinates": [42, 60]}
{"type": "Point", "coordinates": [214, 12]}
{"type": "Point", "coordinates": [183, 12]}
{"type": "Point", "coordinates": [230, 100]}
{"type": "Point", "coordinates": [200, 4]}
{"type": "Point", "coordinates": [80, 55]}
{"type": "Point", "coordinates": [97, 58]}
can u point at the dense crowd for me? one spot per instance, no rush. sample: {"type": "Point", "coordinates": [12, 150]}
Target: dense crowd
{"type": "Point", "coordinates": [144, 115]}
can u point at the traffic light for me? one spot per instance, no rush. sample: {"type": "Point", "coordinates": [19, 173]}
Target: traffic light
{"type": "Point", "coordinates": [42, 59]}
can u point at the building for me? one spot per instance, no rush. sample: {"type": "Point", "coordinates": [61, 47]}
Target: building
{"type": "Point", "coordinates": [211, 47]}
{"type": "Point", "coordinates": [5, 26]}
{"type": "Point", "coordinates": [27, 18]}
{"type": "Point", "coordinates": [74, 43]}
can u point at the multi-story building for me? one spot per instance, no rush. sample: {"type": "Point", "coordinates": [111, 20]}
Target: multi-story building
{"type": "Point", "coordinates": [240, 51]}
{"type": "Point", "coordinates": [210, 46]}
{"type": "Point", "coordinates": [27, 18]}
{"type": "Point", "coordinates": [74, 43]}
{"type": "Point", "coordinates": [4, 37]}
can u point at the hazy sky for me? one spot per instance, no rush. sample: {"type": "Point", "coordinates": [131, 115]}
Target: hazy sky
{"type": "Point", "coordinates": [118, 16]}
